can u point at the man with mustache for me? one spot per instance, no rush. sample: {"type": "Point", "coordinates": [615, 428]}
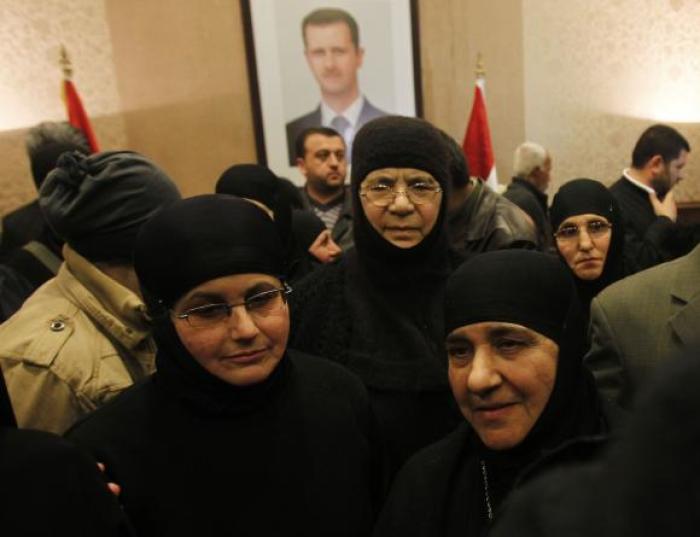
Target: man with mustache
{"type": "Point", "coordinates": [333, 52]}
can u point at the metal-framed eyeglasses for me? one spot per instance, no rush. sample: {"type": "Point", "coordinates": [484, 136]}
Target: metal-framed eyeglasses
{"type": "Point", "coordinates": [258, 306]}
{"type": "Point", "coordinates": [596, 229]}
{"type": "Point", "coordinates": [383, 194]}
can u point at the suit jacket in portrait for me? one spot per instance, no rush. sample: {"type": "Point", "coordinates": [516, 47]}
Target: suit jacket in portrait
{"type": "Point", "coordinates": [640, 322]}
{"type": "Point", "coordinates": [313, 119]}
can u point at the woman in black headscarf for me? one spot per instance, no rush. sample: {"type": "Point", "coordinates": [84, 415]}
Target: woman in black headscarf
{"type": "Point", "coordinates": [379, 310]}
{"type": "Point", "coordinates": [257, 183]}
{"type": "Point", "coordinates": [589, 237]}
{"type": "Point", "coordinates": [233, 435]}
{"type": "Point", "coordinates": [514, 343]}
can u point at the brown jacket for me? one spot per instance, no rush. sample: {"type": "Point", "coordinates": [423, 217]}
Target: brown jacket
{"type": "Point", "coordinates": [78, 341]}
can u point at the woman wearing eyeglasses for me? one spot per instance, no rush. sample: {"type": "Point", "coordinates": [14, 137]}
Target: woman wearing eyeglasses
{"type": "Point", "coordinates": [589, 236]}
{"type": "Point", "coordinates": [233, 435]}
{"type": "Point", "coordinates": [378, 311]}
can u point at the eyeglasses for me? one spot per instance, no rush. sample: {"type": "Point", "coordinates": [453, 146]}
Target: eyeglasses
{"type": "Point", "coordinates": [383, 195]}
{"type": "Point", "coordinates": [595, 229]}
{"type": "Point", "coordinates": [258, 306]}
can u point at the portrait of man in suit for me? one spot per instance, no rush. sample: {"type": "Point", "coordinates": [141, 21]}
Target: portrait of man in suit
{"type": "Point", "coordinates": [334, 56]}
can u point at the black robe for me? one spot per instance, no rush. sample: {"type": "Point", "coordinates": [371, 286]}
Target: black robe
{"type": "Point", "coordinates": [292, 456]}
{"type": "Point", "coordinates": [48, 487]}
{"type": "Point", "coordinates": [649, 239]}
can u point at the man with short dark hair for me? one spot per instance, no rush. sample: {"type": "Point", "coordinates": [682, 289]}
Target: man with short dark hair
{"type": "Point", "coordinates": [645, 195]}
{"type": "Point", "coordinates": [45, 142]}
{"type": "Point", "coordinates": [334, 55]}
{"type": "Point", "coordinates": [322, 160]}
{"type": "Point", "coordinates": [83, 336]}
{"type": "Point", "coordinates": [479, 219]}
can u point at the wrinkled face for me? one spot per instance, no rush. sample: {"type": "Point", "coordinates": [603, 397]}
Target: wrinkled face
{"type": "Point", "coordinates": [502, 376]}
{"type": "Point", "coordinates": [668, 174]}
{"type": "Point", "coordinates": [244, 347]}
{"type": "Point", "coordinates": [583, 241]}
{"type": "Point", "coordinates": [324, 248]}
{"type": "Point", "coordinates": [403, 222]}
{"type": "Point", "coordinates": [333, 58]}
{"type": "Point", "coordinates": [324, 164]}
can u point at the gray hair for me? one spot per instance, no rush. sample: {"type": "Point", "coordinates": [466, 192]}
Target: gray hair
{"type": "Point", "coordinates": [528, 157]}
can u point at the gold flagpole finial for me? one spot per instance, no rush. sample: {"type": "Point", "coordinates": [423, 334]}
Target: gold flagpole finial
{"type": "Point", "coordinates": [64, 62]}
{"type": "Point", "coordinates": [480, 70]}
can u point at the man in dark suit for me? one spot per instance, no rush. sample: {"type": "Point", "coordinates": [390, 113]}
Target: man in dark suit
{"type": "Point", "coordinates": [333, 52]}
{"type": "Point", "coordinates": [640, 322]}
{"type": "Point", "coordinates": [645, 195]}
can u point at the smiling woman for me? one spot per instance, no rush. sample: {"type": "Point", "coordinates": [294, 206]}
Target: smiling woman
{"type": "Point", "coordinates": [233, 426]}
{"type": "Point", "coordinates": [515, 368]}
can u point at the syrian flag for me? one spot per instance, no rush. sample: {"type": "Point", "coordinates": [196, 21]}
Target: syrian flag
{"type": "Point", "coordinates": [477, 146]}
{"type": "Point", "coordinates": [76, 113]}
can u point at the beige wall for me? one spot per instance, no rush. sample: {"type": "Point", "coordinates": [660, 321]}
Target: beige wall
{"type": "Point", "coordinates": [168, 78]}
{"type": "Point", "coordinates": [452, 33]}
{"type": "Point", "coordinates": [597, 73]}
{"type": "Point", "coordinates": [182, 78]}
{"type": "Point", "coordinates": [31, 32]}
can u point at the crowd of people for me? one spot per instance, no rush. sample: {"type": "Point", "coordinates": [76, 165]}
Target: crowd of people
{"type": "Point", "coordinates": [410, 353]}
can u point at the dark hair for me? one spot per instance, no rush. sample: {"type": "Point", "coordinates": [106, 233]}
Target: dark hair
{"type": "Point", "coordinates": [325, 15]}
{"type": "Point", "coordinates": [457, 164]}
{"type": "Point", "coordinates": [47, 141]}
{"type": "Point", "coordinates": [658, 140]}
{"type": "Point", "coordinates": [300, 142]}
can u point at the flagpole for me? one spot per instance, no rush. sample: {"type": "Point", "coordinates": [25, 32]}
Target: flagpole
{"type": "Point", "coordinates": [74, 106]}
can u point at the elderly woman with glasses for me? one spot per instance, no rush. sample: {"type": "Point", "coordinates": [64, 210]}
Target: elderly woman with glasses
{"type": "Point", "coordinates": [378, 311]}
{"type": "Point", "coordinates": [234, 434]}
{"type": "Point", "coordinates": [589, 237]}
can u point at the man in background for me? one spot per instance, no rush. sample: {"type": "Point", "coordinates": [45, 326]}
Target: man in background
{"type": "Point", "coordinates": [532, 169]}
{"type": "Point", "coordinates": [334, 55]}
{"type": "Point", "coordinates": [645, 195]}
{"type": "Point", "coordinates": [322, 160]}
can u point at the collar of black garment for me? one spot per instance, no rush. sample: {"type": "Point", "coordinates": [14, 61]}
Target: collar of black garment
{"type": "Point", "coordinates": [541, 196]}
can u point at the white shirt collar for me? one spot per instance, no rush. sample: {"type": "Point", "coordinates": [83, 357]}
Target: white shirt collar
{"type": "Point", "coordinates": [626, 174]}
{"type": "Point", "coordinates": [351, 113]}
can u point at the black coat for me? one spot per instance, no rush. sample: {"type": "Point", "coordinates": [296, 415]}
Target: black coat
{"type": "Point", "coordinates": [440, 491]}
{"type": "Point", "coordinates": [534, 202]}
{"type": "Point", "coordinates": [392, 338]}
{"type": "Point", "coordinates": [295, 461]}
{"type": "Point", "coordinates": [649, 239]}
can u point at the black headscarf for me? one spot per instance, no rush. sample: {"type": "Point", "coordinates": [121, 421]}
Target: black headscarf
{"type": "Point", "coordinates": [98, 203]}
{"type": "Point", "coordinates": [256, 182]}
{"type": "Point", "coordinates": [306, 227]}
{"type": "Point", "coordinates": [586, 196]}
{"type": "Point", "coordinates": [400, 142]}
{"type": "Point", "coordinates": [193, 241]}
{"type": "Point", "coordinates": [534, 290]}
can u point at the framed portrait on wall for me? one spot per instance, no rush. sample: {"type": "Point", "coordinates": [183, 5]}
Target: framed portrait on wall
{"type": "Point", "coordinates": [333, 63]}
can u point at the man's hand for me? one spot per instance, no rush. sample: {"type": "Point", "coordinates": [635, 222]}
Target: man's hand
{"type": "Point", "coordinates": [667, 207]}
{"type": "Point", "coordinates": [113, 487]}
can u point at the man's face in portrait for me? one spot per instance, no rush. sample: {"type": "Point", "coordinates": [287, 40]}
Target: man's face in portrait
{"type": "Point", "coordinates": [333, 57]}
